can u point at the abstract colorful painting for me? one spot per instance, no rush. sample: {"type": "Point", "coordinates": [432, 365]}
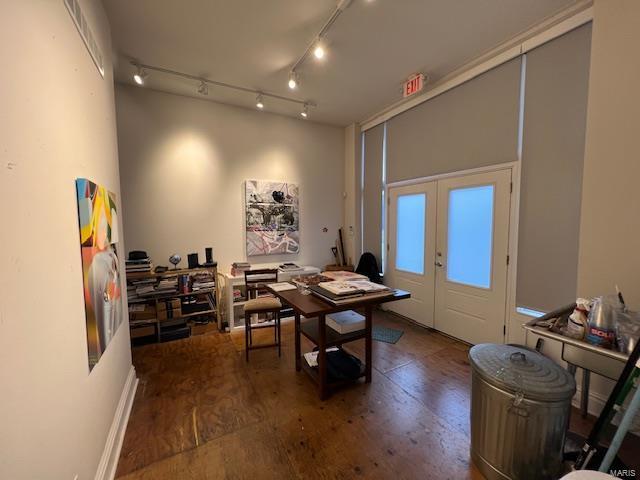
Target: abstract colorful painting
{"type": "Point", "coordinates": [272, 217]}
{"type": "Point", "coordinates": [97, 214]}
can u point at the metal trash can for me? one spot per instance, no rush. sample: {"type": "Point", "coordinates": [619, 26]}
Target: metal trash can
{"type": "Point", "coordinates": [520, 406]}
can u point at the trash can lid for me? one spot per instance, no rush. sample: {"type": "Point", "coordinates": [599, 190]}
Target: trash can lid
{"type": "Point", "coordinates": [518, 369]}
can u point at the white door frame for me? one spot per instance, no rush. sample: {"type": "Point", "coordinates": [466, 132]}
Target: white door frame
{"type": "Point", "coordinates": [514, 218]}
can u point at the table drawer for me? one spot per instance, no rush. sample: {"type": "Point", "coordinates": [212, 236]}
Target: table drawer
{"type": "Point", "coordinates": [600, 364]}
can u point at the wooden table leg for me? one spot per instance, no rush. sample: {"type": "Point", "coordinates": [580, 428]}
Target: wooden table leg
{"type": "Point", "coordinates": [298, 349]}
{"type": "Point", "coordinates": [322, 357]}
{"type": "Point", "coordinates": [368, 315]}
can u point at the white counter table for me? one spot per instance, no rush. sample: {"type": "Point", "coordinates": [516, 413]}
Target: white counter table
{"type": "Point", "coordinates": [234, 308]}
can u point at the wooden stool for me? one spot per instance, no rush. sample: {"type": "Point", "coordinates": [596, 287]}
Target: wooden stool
{"type": "Point", "coordinates": [255, 281]}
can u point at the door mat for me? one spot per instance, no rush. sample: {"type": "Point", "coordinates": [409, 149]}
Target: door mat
{"type": "Point", "coordinates": [384, 334]}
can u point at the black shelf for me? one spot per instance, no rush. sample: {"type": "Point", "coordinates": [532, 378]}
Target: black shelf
{"type": "Point", "coordinates": [310, 329]}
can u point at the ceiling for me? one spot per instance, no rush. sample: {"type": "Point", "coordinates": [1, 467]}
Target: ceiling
{"type": "Point", "coordinates": [372, 47]}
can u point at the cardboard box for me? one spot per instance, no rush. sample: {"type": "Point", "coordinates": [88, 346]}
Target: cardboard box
{"type": "Point", "coordinates": [169, 314]}
{"type": "Point", "coordinates": [149, 313]}
{"type": "Point", "coordinates": [169, 304]}
{"type": "Point", "coordinates": [143, 331]}
{"type": "Point", "coordinates": [334, 268]}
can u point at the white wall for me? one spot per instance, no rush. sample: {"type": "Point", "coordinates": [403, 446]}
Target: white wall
{"type": "Point", "coordinates": [57, 122]}
{"type": "Point", "coordinates": [352, 193]}
{"type": "Point", "coordinates": [610, 226]}
{"type": "Point", "coordinates": [184, 162]}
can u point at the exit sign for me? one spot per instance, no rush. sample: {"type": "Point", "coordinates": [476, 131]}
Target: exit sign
{"type": "Point", "coordinates": [413, 85]}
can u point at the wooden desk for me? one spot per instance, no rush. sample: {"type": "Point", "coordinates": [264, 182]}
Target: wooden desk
{"type": "Point", "coordinates": [316, 330]}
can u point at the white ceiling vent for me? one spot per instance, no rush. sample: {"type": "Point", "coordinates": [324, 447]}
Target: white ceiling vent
{"type": "Point", "coordinates": [85, 32]}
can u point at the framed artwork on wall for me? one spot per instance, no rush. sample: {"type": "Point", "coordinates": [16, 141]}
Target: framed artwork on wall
{"type": "Point", "coordinates": [272, 217]}
{"type": "Point", "coordinates": [98, 221]}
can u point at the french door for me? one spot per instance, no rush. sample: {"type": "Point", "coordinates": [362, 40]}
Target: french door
{"type": "Point", "coordinates": [412, 252]}
{"type": "Point", "coordinates": [451, 253]}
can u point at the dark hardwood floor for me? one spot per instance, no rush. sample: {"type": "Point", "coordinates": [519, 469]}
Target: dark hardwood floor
{"type": "Point", "coordinates": [201, 412]}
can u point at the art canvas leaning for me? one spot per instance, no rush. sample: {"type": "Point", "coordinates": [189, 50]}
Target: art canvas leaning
{"type": "Point", "coordinates": [98, 220]}
{"type": "Point", "coordinates": [272, 217]}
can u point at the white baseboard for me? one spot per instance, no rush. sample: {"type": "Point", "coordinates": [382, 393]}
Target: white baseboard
{"type": "Point", "coordinates": [111, 453]}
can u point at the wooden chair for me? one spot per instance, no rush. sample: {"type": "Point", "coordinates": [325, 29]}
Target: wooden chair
{"type": "Point", "coordinates": [255, 281]}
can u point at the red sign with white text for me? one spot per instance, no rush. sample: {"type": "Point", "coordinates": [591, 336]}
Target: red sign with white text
{"type": "Point", "coordinates": [413, 85]}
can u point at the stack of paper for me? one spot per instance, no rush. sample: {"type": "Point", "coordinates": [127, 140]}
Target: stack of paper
{"type": "Point", "coordinates": [312, 357]}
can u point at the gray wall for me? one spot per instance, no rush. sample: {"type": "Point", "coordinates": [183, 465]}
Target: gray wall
{"type": "Point", "coordinates": [475, 125]}
{"type": "Point", "coordinates": [472, 125]}
{"type": "Point", "coordinates": [184, 162]}
{"type": "Point", "coordinates": [57, 124]}
{"type": "Point", "coordinates": [373, 152]}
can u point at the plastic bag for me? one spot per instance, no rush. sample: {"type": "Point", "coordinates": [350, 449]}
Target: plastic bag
{"type": "Point", "coordinates": [627, 330]}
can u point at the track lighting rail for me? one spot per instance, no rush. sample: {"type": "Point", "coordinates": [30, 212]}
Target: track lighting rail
{"type": "Point", "coordinates": [204, 80]}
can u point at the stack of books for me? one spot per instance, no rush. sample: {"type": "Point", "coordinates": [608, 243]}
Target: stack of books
{"type": "Point", "coordinates": [167, 286]}
{"type": "Point", "coordinates": [141, 314]}
{"type": "Point", "coordinates": [139, 265]}
{"type": "Point", "coordinates": [237, 295]}
{"type": "Point", "coordinates": [346, 322]}
{"type": "Point", "coordinates": [131, 293]}
{"type": "Point", "coordinates": [139, 289]}
{"type": "Point", "coordinates": [290, 267]}
{"type": "Point", "coordinates": [238, 268]}
{"type": "Point", "coordinates": [343, 292]}
{"type": "Point", "coordinates": [343, 275]}
{"type": "Point", "coordinates": [202, 280]}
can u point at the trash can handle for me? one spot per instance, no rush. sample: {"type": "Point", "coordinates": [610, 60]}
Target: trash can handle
{"type": "Point", "coordinates": [518, 357]}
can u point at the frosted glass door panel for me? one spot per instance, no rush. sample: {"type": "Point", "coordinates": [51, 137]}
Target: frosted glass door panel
{"type": "Point", "coordinates": [410, 233]}
{"type": "Point", "coordinates": [412, 249]}
{"type": "Point", "coordinates": [472, 247]}
{"type": "Point", "coordinates": [470, 236]}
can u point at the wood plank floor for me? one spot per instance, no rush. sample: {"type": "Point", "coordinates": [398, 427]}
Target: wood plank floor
{"type": "Point", "coordinates": [201, 412]}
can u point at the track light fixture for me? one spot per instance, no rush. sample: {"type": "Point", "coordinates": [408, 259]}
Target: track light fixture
{"type": "Point", "coordinates": [317, 46]}
{"type": "Point", "coordinates": [305, 111]}
{"type": "Point", "coordinates": [259, 103]}
{"type": "Point", "coordinates": [203, 88]}
{"type": "Point", "coordinates": [293, 80]}
{"type": "Point", "coordinates": [139, 75]}
{"type": "Point", "coordinates": [318, 52]}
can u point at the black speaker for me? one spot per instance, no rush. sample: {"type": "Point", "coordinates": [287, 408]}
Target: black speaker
{"type": "Point", "coordinates": [209, 254]}
{"type": "Point", "coordinates": [192, 258]}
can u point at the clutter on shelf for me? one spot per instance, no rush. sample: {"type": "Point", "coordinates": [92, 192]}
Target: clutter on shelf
{"type": "Point", "coordinates": [603, 321]}
{"type": "Point", "coordinates": [238, 268]}
{"type": "Point", "coordinates": [168, 304]}
{"type": "Point", "coordinates": [138, 261]}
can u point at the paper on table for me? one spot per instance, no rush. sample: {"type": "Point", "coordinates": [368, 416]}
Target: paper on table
{"type": "Point", "coordinates": [367, 286]}
{"type": "Point", "coordinates": [312, 357]}
{"type": "Point", "coordinates": [281, 286]}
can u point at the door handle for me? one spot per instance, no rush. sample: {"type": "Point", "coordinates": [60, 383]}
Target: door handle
{"type": "Point", "coordinates": [439, 264]}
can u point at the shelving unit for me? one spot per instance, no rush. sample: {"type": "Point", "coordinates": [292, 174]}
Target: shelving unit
{"type": "Point", "coordinates": [233, 309]}
{"type": "Point", "coordinates": [200, 303]}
